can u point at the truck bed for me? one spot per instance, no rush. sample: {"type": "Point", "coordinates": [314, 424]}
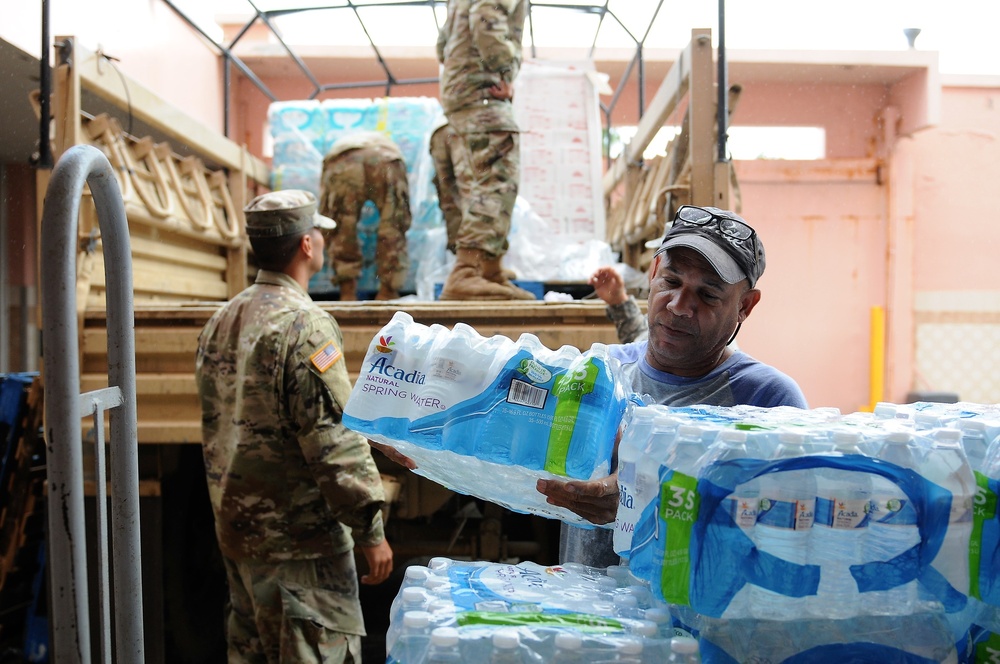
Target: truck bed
{"type": "Point", "coordinates": [166, 338]}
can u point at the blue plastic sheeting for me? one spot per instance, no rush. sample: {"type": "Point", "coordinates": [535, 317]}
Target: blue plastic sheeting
{"type": "Point", "coordinates": [303, 132]}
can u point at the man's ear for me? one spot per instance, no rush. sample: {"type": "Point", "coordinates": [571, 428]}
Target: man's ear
{"type": "Point", "coordinates": [748, 301]}
{"type": "Point", "coordinates": [306, 245]}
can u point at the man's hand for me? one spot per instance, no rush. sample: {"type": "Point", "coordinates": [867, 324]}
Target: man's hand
{"type": "Point", "coordinates": [609, 285]}
{"type": "Point", "coordinates": [393, 455]}
{"type": "Point", "coordinates": [503, 91]}
{"type": "Point", "coordinates": [594, 500]}
{"type": "Point", "coordinates": [379, 559]}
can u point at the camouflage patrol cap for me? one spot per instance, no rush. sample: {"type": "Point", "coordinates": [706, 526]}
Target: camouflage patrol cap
{"type": "Point", "coordinates": [287, 212]}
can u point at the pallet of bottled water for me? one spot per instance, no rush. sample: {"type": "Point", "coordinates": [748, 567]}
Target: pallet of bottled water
{"type": "Point", "coordinates": [496, 613]}
{"type": "Point", "coordinates": [490, 416]}
{"type": "Point", "coordinates": [792, 535]}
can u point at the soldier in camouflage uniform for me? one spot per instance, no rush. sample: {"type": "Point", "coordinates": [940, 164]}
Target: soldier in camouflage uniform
{"type": "Point", "coordinates": [367, 166]}
{"type": "Point", "coordinates": [445, 153]}
{"type": "Point", "coordinates": [293, 491]}
{"type": "Point", "coordinates": [624, 312]}
{"type": "Point", "coordinates": [480, 48]}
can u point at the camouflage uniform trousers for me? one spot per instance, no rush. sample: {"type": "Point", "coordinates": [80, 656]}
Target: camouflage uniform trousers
{"type": "Point", "coordinates": [350, 179]}
{"type": "Point", "coordinates": [296, 611]}
{"type": "Point", "coordinates": [445, 152]}
{"type": "Point", "coordinates": [487, 174]}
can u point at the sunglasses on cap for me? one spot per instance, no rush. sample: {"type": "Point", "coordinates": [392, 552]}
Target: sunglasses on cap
{"type": "Point", "coordinates": [736, 232]}
{"type": "Point", "coordinates": [692, 215]}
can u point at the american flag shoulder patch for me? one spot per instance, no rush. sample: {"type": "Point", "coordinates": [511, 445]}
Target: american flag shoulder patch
{"type": "Point", "coordinates": [325, 357]}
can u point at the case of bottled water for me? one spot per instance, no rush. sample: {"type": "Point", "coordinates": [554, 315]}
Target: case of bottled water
{"type": "Point", "coordinates": [488, 417]}
{"type": "Point", "coordinates": [504, 613]}
{"type": "Point", "coordinates": [813, 536]}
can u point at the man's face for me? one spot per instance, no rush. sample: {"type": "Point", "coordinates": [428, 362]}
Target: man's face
{"type": "Point", "coordinates": [692, 313]}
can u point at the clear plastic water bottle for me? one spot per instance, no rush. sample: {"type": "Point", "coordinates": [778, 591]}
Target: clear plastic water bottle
{"type": "Point", "coordinates": [676, 503]}
{"type": "Point", "coordinates": [842, 503]}
{"type": "Point", "coordinates": [892, 525]}
{"type": "Point", "coordinates": [687, 449]}
{"type": "Point", "coordinates": [412, 598]}
{"type": "Point", "coordinates": [626, 606]}
{"type": "Point", "coordinates": [948, 466]}
{"type": "Point", "coordinates": [647, 493]}
{"type": "Point", "coordinates": [659, 615]}
{"type": "Point", "coordinates": [628, 651]}
{"type": "Point", "coordinates": [632, 496]}
{"type": "Point", "coordinates": [568, 648]}
{"type": "Point", "coordinates": [506, 647]}
{"type": "Point", "coordinates": [784, 526]}
{"type": "Point", "coordinates": [974, 441]}
{"type": "Point", "coordinates": [444, 647]}
{"type": "Point", "coordinates": [414, 638]}
{"type": "Point", "coordinates": [456, 371]}
{"type": "Point", "coordinates": [684, 650]}
{"type": "Point", "coordinates": [744, 502]}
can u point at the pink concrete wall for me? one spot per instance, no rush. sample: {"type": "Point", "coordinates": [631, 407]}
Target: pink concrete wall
{"type": "Point", "coordinates": [152, 45]}
{"type": "Point", "coordinates": [846, 112]}
{"type": "Point", "coordinates": [825, 243]}
{"type": "Point", "coordinates": [957, 205]}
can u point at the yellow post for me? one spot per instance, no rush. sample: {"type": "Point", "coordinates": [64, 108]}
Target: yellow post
{"type": "Point", "coordinates": [877, 367]}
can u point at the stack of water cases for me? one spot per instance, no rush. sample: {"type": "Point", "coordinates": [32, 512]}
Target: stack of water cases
{"type": "Point", "coordinates": [787, 535]}
{"type": "Point", "coordinates": [488, 417]}
{"type": "Point", "coordinates": [455, 611]}
{"type": "Point", "coordinates": [302, 133]}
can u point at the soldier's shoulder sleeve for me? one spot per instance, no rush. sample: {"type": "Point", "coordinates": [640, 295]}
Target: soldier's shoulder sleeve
{"type": "Point", "coordinates": [628, 319]}
{"type": "Point", "coordinates": [316, 357]}
{"type": "Point", "coordinates": [491, 33]}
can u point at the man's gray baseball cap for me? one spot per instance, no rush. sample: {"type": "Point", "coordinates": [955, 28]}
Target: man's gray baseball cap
{"type": "Point", "coordinates": [286, 212]}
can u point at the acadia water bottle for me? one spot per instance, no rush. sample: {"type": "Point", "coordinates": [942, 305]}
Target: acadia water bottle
{"type": "Point", "coordinates": [892, 525]}
{"type": "Point", "coordinates": [630, 454]}
{"type": "Point", "coordinates": [839, 528]}
{"type": "Point", "coordinates": [948, 466]}
{"type": "Point", "coordinates": [784, 526]}
{"type": "Point", "coordinates": [743, 503]}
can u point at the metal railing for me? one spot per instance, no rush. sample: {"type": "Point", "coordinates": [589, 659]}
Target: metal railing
{"type": "Point", "coordinates": [64, 408]}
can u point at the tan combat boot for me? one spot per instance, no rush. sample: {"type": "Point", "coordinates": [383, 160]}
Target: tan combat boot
{"type": "Point", "coordinates": [495, 272]}
{"type": "Point", "coordinates": [466, 281]}
{"type": "Point", "coordinates": [348, 290]}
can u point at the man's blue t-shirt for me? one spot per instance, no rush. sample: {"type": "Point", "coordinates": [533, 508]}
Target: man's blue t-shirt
{"type": "Point", "coordinates": [740, 380]}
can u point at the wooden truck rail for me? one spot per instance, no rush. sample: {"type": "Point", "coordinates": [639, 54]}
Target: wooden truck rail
{"type": "Point", "coordinates": [166, 339]}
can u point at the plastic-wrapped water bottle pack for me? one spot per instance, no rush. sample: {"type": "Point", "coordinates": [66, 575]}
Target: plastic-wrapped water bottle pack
{"type": "Point", "coordinates": [787, 533]}
{"type": "Point", "coordinates": [456, 611]}
{"type": "Point", "coordinates": [489, 416]}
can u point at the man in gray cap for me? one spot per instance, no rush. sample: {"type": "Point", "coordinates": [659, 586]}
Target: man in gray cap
{"type": "Point", "coordinates": [702, 286]}
{"type": "Point", "coordinates": [293, 491]}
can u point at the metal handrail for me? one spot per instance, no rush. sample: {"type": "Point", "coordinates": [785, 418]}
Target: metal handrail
{"type": "Point", "coordinates": [64, 407]}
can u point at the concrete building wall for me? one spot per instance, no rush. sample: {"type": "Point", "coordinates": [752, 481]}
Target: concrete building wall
{"type": "Point", "coordinates": [155, 47]}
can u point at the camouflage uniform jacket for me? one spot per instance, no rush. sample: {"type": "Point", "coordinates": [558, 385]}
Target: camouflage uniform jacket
{"type": "Point", "coordinates": [366, 139]}
{"type": "Point", "coordinates": [480, 46]}
{"type": "Point", "coordinates": [629, 321]}
{"type": "Point", "coordinates": [286, 479]}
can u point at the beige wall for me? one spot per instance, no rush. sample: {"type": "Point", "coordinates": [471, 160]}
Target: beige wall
{"type": "Point", "coordinates": [150, 42]}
